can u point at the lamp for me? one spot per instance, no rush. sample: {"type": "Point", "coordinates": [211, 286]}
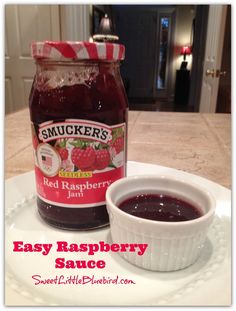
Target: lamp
{"type": "Point", "coordinates": [185, 50]}
{"type": "Point", "coordinates": [105, 31]}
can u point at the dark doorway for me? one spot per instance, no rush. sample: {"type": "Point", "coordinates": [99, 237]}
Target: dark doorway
{"type": "Point", "coordinates": [147, 32]}
{"type": "Point", "coordinates": [154, 37]}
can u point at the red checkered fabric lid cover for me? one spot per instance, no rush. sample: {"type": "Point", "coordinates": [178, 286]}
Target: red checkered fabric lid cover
{"type": "Point", "coordinates": [60, 50]}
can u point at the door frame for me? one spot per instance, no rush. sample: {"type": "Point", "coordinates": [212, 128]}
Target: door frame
{"type": "Point", "coordinates": [167, 92]}
{"type": "Point", "coordinates": [219, 11]}
{"type": "Point", "coordinates": [198, 52]}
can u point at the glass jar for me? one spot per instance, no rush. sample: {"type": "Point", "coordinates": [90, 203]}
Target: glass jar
{"type": "Point", "coordinates": [78, 110]}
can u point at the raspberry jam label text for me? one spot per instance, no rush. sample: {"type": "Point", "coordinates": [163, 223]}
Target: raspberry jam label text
{"type": "Point", "coordinates": [81, 129]}
{"type": "Point", "coordinates": [76, 160]}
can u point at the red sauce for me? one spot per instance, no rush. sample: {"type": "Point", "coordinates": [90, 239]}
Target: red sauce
{"type": "Point", "coordinates": [160, 208]}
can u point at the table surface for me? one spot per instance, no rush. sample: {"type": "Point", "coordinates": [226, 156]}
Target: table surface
{"type": "Point", "coordinates": [197, 143]}
{"type": "Point", "coordinates": [192, 142]}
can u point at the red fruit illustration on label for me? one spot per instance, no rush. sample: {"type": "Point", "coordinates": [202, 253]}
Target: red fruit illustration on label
{"type": "Point", "coordinates": [61, 149]}
{"type": "Point", "coordinates": [118, 144]}
{"type": "Point", "coordinates": [102, 159]}
{"type": "Point", "coordinates": [64, 153]}
{"type": "Point", "coordinates": [83, 158]}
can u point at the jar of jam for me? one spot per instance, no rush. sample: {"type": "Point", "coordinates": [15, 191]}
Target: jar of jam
{"type": "Point", "coordinates": [78, 110]}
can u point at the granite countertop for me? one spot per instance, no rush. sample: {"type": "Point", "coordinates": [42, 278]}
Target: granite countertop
{"type": "Point", "coordinates": [197, 143]}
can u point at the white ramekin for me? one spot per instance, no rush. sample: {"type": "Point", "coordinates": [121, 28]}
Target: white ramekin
{"type": "Point", "coordinates": [171, 245]}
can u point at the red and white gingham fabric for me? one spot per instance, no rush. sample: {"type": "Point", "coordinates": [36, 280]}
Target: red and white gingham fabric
{"type": "Point", "coordinates": [77, 50]}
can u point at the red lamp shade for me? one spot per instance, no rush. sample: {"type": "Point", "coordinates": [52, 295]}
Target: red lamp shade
{"type": "Point", "coordinates": [185, 50]}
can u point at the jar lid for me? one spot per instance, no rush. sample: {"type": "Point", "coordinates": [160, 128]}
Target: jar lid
{"type": "Point", "coordinates": [59, 50]}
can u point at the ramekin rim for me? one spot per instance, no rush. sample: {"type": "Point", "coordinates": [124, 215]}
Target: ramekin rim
{"type": "Point", "coordinates": [156, 222]}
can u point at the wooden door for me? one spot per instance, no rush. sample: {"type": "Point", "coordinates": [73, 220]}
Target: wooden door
{"type": "Point", "coordinates": [213, 56]}
{"type": "Point", "coordinates": [24, 24]}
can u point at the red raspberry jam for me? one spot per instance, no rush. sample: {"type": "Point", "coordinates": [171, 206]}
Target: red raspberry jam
{"type": "Point", "coordinates": [78, 109]}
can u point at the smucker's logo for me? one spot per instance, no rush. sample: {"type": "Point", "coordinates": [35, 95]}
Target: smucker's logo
{"type": "Point", "coordinates": [91, 130]}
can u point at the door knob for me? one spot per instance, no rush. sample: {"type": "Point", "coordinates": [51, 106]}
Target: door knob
{"type": "Point", "coordinates": [210, 72]}
{"type": "Point", "coordinates": [220, 73]}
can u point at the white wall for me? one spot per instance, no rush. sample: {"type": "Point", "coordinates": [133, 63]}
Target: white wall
{"type": "Point", "coordinates": [184, 19]}
{"type": "Point", "coordinates": [75, 22]}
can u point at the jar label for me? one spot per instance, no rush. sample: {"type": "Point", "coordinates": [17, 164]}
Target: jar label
{"type": "Point", "coordinates": [76, 160]}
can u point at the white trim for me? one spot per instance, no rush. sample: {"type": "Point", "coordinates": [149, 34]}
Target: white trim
{"type": "Point", "coordinates": [214, 46]}
{"type": "Point", "coordinates": [55, 18]}
{"type": "Point", "coordinates": [75, 22]}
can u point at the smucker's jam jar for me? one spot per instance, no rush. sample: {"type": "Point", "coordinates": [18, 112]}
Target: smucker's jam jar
{"type": "Point", "coordinates": [78, 109]}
